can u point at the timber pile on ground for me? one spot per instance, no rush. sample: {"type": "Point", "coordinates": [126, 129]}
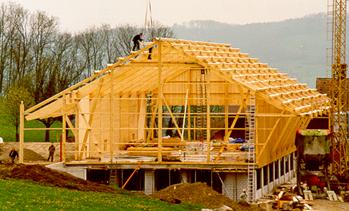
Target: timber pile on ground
{"type": "Point", "coordinates": [199, 193]}
{"type": "Point", "coordinates": [46, 176]}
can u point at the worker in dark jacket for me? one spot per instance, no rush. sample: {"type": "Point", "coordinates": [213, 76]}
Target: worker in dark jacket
{"type": "Point", "coordinates": [136, 41]}
{"type": "Point", "coordinates": [13, 154]}
{"type": "Point", "coordinates": [51, 151]}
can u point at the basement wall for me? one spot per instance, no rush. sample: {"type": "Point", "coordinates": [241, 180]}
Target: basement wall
{"type": "Point", "coordinates": [275, 174]}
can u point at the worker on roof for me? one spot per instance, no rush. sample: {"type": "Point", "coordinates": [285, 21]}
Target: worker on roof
{"type": "Point", "coordinates": [136, 41]}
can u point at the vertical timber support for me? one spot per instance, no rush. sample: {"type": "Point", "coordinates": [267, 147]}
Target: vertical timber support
{"type": "Point", "coordinates": [111, 117]}
{"type": "Point", "coordinates": [208, 116]}
{"type": "Point", "coordinates": [21, 132]}
{"type": "Point", "coordinates": [160, 103]}
{"type": "Point", "coordinates": [77, 126]}
{"type": "Point", "coordinates": [64, 129]}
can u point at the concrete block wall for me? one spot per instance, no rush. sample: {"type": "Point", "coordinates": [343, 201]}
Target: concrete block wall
{"type": "Point", "coordinates": [234, 183]}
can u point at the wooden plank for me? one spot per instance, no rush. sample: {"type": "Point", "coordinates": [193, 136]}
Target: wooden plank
{"type": "Point", "coordinates": [208, 117]}
{"type": "Point", "coordinates": [160, 102]}
{"type": "Point", "coordinates": [281, 134]}
{"type": "Point", "coordinates": [268, 140]}
{"type": "Point", "coordinates": [173, 118]}
{"type": "Point", "coordinates": [226, 137]}
{"type": "Point", "coordinates": [88, 130]}
{"type": "Point", "coordinates": [111, 119]}
{"type": "Point", "coordinates": [77, 138]}
{"type": "Point", "coordinates": [21, 133]}
{"type": "Point", "coordinates": [71, 126]}
{"type": "Point", "coordinates": [142, 117]}
{"type": "Point", "coordinates": [64, 131]}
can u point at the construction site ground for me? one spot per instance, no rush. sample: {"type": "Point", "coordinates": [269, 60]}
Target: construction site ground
{"type": "Point", "coordinates": [197, 193]}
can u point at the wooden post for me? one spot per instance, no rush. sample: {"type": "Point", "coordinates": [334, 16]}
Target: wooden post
{"type": "Point", "coordinates": [208, 117]}
{"type": "Point", "coordinates": [160, 104]}
{"type": "Point", "coordinates": [226, 110]}
{"type": "Point", "coordinates": [189, 110]}
{"type": "Point", "coordinates": [64, 131]}
{"type": "Point", "coordinates": [21, 132]}
{"type": "Point", "coordinates": [77, 126]}
{"type": "Point", "coordinates": [111, 117]}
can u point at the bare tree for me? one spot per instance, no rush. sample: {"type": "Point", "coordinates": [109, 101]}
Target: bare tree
{"type": "Point", "coordinates": [124, 36]}
{"type": "Point", "coordinates": [20, 61]}
{"type": "Point", "coordinates": [159, 30]}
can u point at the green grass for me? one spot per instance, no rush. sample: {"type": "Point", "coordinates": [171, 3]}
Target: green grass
{"type": "Point", "coordinates": [8, 130]}
{"type": "Point", "coordinates": [25, 195]}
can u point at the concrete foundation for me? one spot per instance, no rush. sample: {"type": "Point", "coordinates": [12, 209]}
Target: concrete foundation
{"type": "Point", "coordinates": [149, 181]}
{"type": "Point", "coordinates": [79, 172]}
{"type": "Point", "coordinates": [230, 184]}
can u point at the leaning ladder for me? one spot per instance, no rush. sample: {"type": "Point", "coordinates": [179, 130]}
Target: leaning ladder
{"type": "Point", "coordinates": [251, 156]}
{"type": "Point", "coordinates": [201, 122]}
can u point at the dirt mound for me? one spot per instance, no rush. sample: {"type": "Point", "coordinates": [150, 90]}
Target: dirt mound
{"type": "Point", "coordinates": [30, 155]}
{"type": "Point", "coordinates": [46, 176]}
{"type": "Point", "coordinates": [198, 193]}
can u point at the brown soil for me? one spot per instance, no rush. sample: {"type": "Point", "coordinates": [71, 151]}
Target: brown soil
{"type": "Point", "coordinates": [30, 155]}
{"type": "Point", "coordinates": [199, 193]}
{"type": "Point", "coordinates": [46, 176]}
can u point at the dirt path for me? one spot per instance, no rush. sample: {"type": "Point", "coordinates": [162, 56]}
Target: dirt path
{"type": "Point", "coordinates": [326, 205]}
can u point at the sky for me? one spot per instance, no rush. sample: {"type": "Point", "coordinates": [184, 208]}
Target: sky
{"type": "Point", "coordinates": [77, 15]}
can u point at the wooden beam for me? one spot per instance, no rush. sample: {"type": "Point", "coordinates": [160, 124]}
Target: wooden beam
{"type": "Point", "coordinates": [77, 125]}
{"type": "Point", "coordinates": [226, 137]}
{"type": "Point", "coordinates": [111, 118]}
{"type": "Point", "coordinates": [173, 118]}
{"type": "Point", "coordinates": [208, 116]}
{"type": "Point", "coordinates": [71, 126]}
{"type": "Point", "coordinates": [64, 130]}
{"type": "Point", "coordinates": [266, 143]}
{"type": "Point", "coordinates": [88, 130]}
{"type": "Point", "coordinates": [281, 134]}
{"type": "Point", "coordinates": [141, 117]}
{"type": "Point", "coordinates": [21, 132]}
{"type": "Point", "coordinates": [160, 102]}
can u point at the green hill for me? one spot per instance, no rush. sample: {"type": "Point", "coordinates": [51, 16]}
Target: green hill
{"type": "Point", "coordinates": [295, 46]}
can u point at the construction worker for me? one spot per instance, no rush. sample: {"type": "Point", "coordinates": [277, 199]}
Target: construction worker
{"type": "Point", "coordinates": [243, 196]}
{"type": "Point", "coordinates": [51, 150]}
{"type": "Point", "coordinates": [136, 41]}
{"type": "Point", "coordinates": [13, 154]}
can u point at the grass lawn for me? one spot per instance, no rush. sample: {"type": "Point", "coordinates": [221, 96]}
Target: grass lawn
{"type": "Point", "coordinates": [8, 130]}
{"type": "Point", "coordinates": [25, 195]}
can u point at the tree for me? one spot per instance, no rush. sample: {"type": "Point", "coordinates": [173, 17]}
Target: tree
{"type": "Point", "coordinates": [159, 30]}
{"type": "Point", "coordinates": [11, 101]}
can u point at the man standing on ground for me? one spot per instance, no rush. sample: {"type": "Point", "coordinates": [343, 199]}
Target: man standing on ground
{"type": "Point", "coordinates": [13, 154]}
{"type": "Point", "coordinates": [136, 41]}
{"type": "Point", "coordinates": [51, 150]}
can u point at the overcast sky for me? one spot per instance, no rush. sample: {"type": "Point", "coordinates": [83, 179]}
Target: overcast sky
{"type": "Point", "coordinates": [76, 15]}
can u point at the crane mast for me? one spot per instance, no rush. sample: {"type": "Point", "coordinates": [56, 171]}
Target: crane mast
{"type": "Point", "coordinates": [339, 117]}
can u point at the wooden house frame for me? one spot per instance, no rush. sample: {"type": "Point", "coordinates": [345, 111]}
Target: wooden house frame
{"type": "Point", "coordinates": [206, 96]}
